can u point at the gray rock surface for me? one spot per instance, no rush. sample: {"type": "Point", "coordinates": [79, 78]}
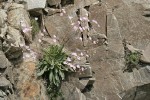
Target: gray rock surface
{"type": "Point", "coordinates": [34, 4]}
{"type": "Point", "coordinates": [18, 18]}
{"type": "Point", "coordinates": [15, 36]}
{"type": "Point", "coordinates": [54, 2]}
{"type": "Point", "coordinates": [4, 63]}
{"type": "Point", "coordinates": [4, 83]}
{"type": "Point", "coordinates": [145, 57]}
{"type": "Point", "coordinates": [3, 17]}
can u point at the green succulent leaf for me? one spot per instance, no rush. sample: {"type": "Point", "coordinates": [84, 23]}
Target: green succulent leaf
{"type": "Point", "coordinates": [42, 71]}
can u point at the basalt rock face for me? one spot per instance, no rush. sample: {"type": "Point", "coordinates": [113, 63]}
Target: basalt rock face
{"type": "Point", "coordinates": [101, 29]}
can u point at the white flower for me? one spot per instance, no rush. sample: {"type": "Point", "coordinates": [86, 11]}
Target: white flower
{"type": "Point", "coordinates": [68, 59]}
{"type": "Point", "coordinates": [22, 44]}
{"type": "Point", "coordinates": [81, 54]}
{"type": "Point", "coordinates": [36, 18]}
{"type": "Point", "coordinates": [74, 54]}
{"type": "Point", "coordinates": [78, 58]}
{"type": "Point", "coordinates": [95, 21]}
{"type": "Point", "coordinates": [44, 30]}
{"type": "Point", "coordinates": [63, 10]}
{"type": "Point", "coordinates": [65, 62]}
{"type": "Point", "coordinates": [40, 40]}
{"type": "Point", "coordinates": [87, 55]}
{"type": "Point", "coordinates": [80, 38]}
{"type": "Point", "coordinates": [70, 17]}
{"type": "Point", "coordinates": [94, 42]}
{"type": "Point", "coordinates": [54, 36]}
{"type": "Point", "coordinates": [90, 38]}
{"type": "Point", "coordinates": [42, 34]}
{"type": "Point", "coordinates": [78, 66]}
{"type": "Point", "coordinates": [82, 69]}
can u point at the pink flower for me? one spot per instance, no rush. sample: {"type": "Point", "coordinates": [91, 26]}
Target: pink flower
{"type": "Point", "coordinates": [27, 29]}
{"type": "Point", "coordinates": [44, 30]}
{"type": "Point", "coordinates": [85, 18]}
{"type": "Point", "coordinates": [54, 40]}
{"type": "Point", "coordinates": [75, 28]}
{"type": "Point", "coordinates": [81, 18]}
{"type": "Point", "coordinates": [79, 23]}
{"type": "Point", "coordinates": [81, 29]}
{"type": "Point", "coordinates": [61, 14]}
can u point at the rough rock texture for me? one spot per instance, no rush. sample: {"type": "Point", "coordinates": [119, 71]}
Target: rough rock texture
{"type": "Point", "coordinates": [4, 63]}
{"type": "Point", "coordinates": [28, 86]}
{"type": "Point", "coordinates": [18, 17]}
{"type": "Point", "coordinates": [34, 4]}
{"type": "Point", "coordinates": [97, 28]}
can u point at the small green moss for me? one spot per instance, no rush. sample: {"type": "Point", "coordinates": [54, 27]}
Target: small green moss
{"type": "Point", "coordinates": [132, 60]}
{"type": "Point", "coordinates": [35, 27]}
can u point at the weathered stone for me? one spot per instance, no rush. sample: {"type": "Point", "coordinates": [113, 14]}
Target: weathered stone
{"type": "Point", "coordinates": [72, 93]}
{"type": "Point", "coordinates": [34, 4]}
{"type": "Point", "coordinates": [98, 13]}
{"type": "Point", "coordinates": [27, 84]}
{"type": "Point", "coordinates": [14, 54]}
{"type": "Point", "coordinates": [84, 24]}
{"type": "Point", "coordinates": [4, 63]}
{"type": "Point", "coordinates": [77, 95]}
{"type": "Point", "coordinates": [54, 2]}
{"type": "Point", "coordinates": [65, 33]}
{"type": "Point", "coordinates": [51, 11]}
{"type": "Point", "coordinates": [81, 4]}
{"type": "Point", "coordinates": [131, 48]}
{"type": "Point", "coordinates": [18, 18]}
{"type": "Point", "coordinates": [145, 55]}
{"type": "Point", "coordinates": [3, 31]}
{"type": "Point", "coordinates": [2, 94]}
{"type": "Point", "coordinates": [4, 83]}
{"type": "Point", "coordinates": [15, 36]}
{"type": "Point", "coordinates": [87, 72]}
{"type": "Point", "coordinates": [113, 34]}
{"type": "Point", "coordinates": [3, 17]}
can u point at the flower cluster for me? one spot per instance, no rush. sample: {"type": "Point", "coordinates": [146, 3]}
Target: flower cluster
{"type": "Point", "coordinates": [25, 28]}
{"type": "Point", "coordinates": [74, 56]}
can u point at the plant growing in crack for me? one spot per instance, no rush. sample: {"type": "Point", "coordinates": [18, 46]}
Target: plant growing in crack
{"type": "Point", "coordinates": [52, 68]}
{"type": "Point", "coordinates": [35, 27]}
{"type": "Point", "coordinates": [132, 60]}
